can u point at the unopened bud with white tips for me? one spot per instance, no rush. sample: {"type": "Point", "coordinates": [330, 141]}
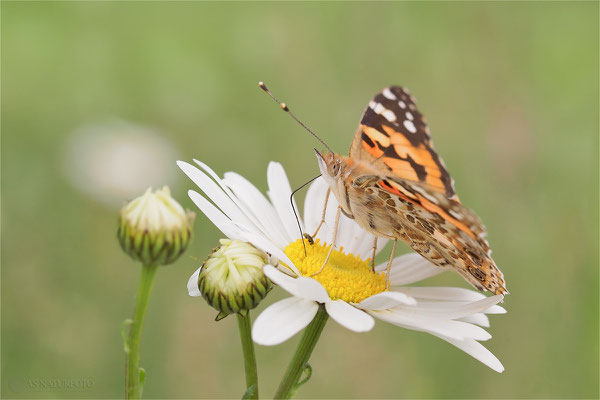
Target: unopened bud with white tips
{"type": "Point", "coordinates": [154, 228]}
{"type": "Point", "coordinates": [231, 279]}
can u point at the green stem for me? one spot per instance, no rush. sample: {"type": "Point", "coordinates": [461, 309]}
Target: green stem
{"type": "Point", "coordinates": [248, 348]}
{"type": "Point", "coordinates": [303, 352]}
{"type": "Point", "coordinates": [135, 331]}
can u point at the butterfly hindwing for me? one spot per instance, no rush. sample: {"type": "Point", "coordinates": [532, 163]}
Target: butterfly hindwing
{"type": "Point", "coordinates": [440, 229]}
{"type": "Point", "coordinates": [393, 135]}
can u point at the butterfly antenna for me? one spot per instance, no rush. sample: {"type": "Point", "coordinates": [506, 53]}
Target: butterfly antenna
{"type": "Point", "coordinates": [285, 108]}
{"type": "Point", "coordinates": [296, 214]}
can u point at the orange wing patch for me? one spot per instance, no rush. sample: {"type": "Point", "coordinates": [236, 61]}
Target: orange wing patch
{"type": "Point", "coordinates": [429, 206]}
{"type": "Point", "coordinates": [397, 190]}
{"type": "Point", "coordinates": [393, 130]}
{"type": "Point", "coordinates": [409, 194]}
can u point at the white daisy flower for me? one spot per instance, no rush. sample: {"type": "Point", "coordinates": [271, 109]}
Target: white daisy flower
{"type": "Point", "coordinates": [351, 293]}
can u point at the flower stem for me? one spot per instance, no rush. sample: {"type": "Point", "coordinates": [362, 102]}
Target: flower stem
{"type": "Point", "coordinates": [248, 348]}
{"type": "Point", "coordinates": [132, 378]}
{"type": "Point", "coordinates": [303, 352]}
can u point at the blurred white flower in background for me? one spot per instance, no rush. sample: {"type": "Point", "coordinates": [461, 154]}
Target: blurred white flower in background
{"type": "Point", "coordinates": [115, 160]}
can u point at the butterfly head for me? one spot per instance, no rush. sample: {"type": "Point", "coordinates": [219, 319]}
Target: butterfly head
{"type": "Point", "coordinates": [334, 170]}
{"type": "Point", "coordinates": [331, 167]}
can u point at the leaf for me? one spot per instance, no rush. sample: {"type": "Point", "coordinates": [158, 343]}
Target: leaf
{"type": "Point", "coordinates": [308, 371]}
{"type": "Point", "coordinates": [124, 332]}
{"type": "Point", "coordinates": [142, 380]}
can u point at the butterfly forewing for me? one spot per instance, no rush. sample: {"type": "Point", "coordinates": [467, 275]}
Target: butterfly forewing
{"type": "Point", "coordinates": [394, 136]}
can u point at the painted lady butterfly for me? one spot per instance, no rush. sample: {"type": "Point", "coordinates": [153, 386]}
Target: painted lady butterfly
{"type": "Point", "coordinates": [394, 184]}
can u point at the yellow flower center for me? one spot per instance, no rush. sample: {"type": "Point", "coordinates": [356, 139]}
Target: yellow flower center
{"type": "Point", "coordinates": [345, 276]}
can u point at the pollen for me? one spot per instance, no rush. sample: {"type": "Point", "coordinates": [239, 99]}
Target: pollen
{"type": "Point", "coordinates": [345, 277]}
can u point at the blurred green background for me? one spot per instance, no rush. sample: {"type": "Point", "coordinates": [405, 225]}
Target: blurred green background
{"type": "Point", "coordinates": [511, 94]}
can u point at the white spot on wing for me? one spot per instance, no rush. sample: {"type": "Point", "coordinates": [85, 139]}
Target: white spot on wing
{"type": "Point", "coordinates": [388, 94]}
{"type": "Point", "coordinates": [409, 116]}
{"type": "Point", "coordinates": [402, 104]}
{"type": "Point", "coordinates": [381, 110]}
{"type": "Point", "coordinates": [389, 115]}
{"type": "Point", "coordinates": [410, 126]}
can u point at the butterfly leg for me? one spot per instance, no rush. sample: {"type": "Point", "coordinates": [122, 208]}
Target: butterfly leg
{"type": "Point", "coordinates": [335, 229]}
{"type": "Point", "coordinates": [322, 215]}
{"type": "Point", "coordinates": [389, 267]}
{"type": "Point", "coordinates": [374, 251]}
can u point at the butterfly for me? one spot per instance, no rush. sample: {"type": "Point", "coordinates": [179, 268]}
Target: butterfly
{"type": "Point", "coordinates": [395, 185]}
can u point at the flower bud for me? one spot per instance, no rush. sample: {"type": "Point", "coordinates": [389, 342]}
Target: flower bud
{"type": "Point", "coordinates": [232, 280]}
{"type": "Point", "coordinates": [154, 228]}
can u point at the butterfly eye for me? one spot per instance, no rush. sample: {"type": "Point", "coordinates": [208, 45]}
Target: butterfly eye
{"type": "Point", "coordinates": [335, 169]}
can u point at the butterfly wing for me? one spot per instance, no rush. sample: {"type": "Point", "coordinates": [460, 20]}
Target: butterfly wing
{"type": "Point", "coordinates": [417, 190]}
{"type": "Point", "coordinates": [439, 228]}
{"type": "Point", "coordinates": [393, 136]}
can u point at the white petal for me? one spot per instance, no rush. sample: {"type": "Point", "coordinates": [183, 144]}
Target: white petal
{"type": "Point", "coordinates": [362, 242]}
{"type": "Point", "coordinates": [326, 232]}
{"type": "Point", "coordinates": [192, 284]}
{"type": "Point", "coordinates": [313, 204]}
{"type": "Point", "coordinates": [220, 220]}
{"type": "Point", "coordinates": [302, 287]}
{"type": "Point", "coordinates": [349, 317]}
{"type": "Point", "coordinates": [450, 309]}
{"type": "Point", "coordinates": [495, 310]}
{"type": "Point", "coordinates": [218, 180]}
{"type": "Point", "coordinates": [312, 289]}
{"type": "Point", "coordinates": [215, 193]}
{"type": "Point", "coordinates": [410, 268]}
{"type": "Point", "coordinates": [214, 176]}
{"type": "Point", "coordinates": [385, 300]}
{"type": "Point", "coordinates": [478, 319]}
{"type": "Point", "coordinates": [269, 247]}
{"type": "Point", "coordinates": [443, 293]}
{"type": "Point", "coordinates": [279, 193]}
{"type": "Point", "coordinates": [349, 235]}
{"type": "Point", "coordinates": [364, 248]}
{"type": "Point", "coordinates": [477, 351]}
{"type": "Point", "coordinates": [260, 209]}
{"type": "Point", "coordinates": [356, 240]}
{"type": "Point", "coordinates": [282, 320]}
{"type": "Point", "coordinates": [287, 282]}
{"type": "Point", "coordinates": [449, 328]}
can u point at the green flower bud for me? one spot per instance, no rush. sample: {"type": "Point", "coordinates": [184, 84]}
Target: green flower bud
{"type": "Point", "coordinates": [232, 280]}
{"type": "Point", "coordinates": [154, 228]}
